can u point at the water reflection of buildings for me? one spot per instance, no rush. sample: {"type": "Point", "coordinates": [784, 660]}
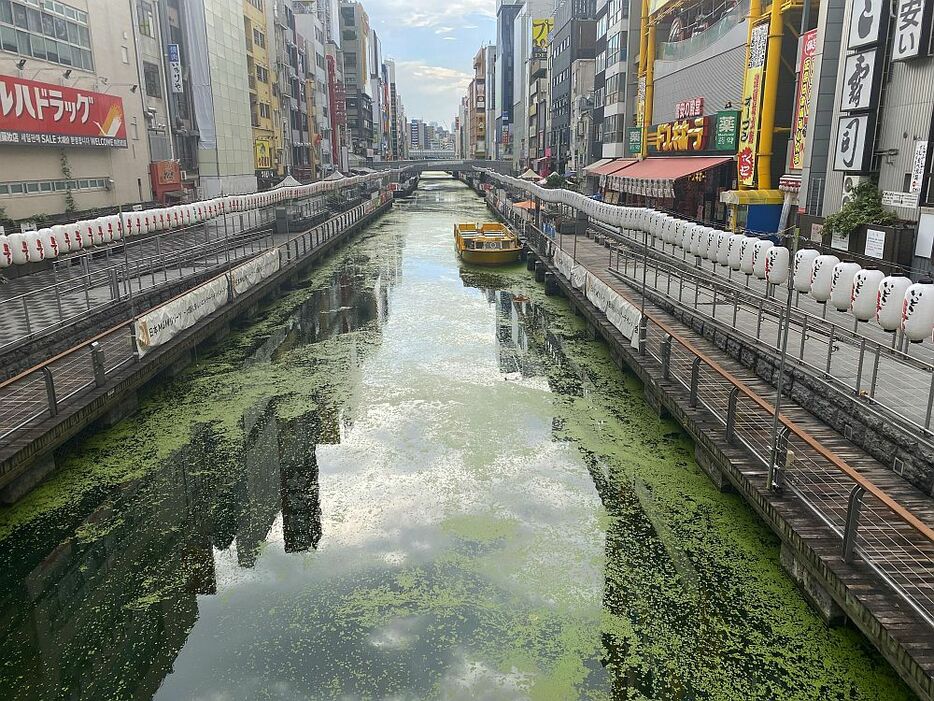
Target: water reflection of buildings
{"type": "Point", "coordinates": [104, 614]}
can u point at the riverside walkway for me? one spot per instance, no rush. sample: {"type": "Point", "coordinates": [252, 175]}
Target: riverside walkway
{"type": "Point", "coordinates": [857, 537]}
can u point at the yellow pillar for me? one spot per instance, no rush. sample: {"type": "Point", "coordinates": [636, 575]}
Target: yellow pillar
{"type": "Point", "coordinates": [649, 87]}
{"type": "Point", "coordinates": [773, 62]}
{"type": "Point", "coordinates": [755, 10]}
{"type": "Point", "coordinates": [643, 49]}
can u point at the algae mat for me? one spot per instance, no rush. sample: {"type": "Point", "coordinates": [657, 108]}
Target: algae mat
{"type": "Point", "coordinates": [405, 480]}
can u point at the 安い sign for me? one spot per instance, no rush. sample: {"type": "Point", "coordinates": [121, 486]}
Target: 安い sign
{"type": "Point", "coordinates": [175, 69]}
{"type": "Point", "coordinates": [912, 29]}
{"type": "Point", "coordinates": [42, 114]}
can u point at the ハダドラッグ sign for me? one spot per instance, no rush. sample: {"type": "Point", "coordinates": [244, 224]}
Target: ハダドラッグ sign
{"type": "Point", "coordinates": [43, 114]}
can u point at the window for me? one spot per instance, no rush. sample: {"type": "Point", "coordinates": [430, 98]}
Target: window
{"type": "Point", "coordinates": [259, 38]}
{"type": "Point", "coordinates": [258, 4]}
{"type": "Point", "coordinates": [151, 78]}
{"type": "Point", "coordinates": [262, 74]}
{"type": "Point", "coordinates": [264, 110]}
{"type": "Point", "coordinates": [43, 187]}
{"type": "Point", "coordinates": [146, 18]}
{"type": "Point", "coordinates": [47, 30]}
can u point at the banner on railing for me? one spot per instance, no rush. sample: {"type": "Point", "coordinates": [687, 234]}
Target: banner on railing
{"type": "Point", "coordinates": [626, 318]}
{"type": "Point", "coordinates": [248, 275]}
{"type": "Point", "coordinates": [164, 323]}
{"type": "Point", "coordinates": [578, 277]}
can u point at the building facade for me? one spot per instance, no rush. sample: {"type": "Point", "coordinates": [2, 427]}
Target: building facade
{"type": "Point", "coordinates": [53, 163]}
{"type": "Point", "coordinates": [506, 13]}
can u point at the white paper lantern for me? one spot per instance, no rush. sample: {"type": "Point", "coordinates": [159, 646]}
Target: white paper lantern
{"type": "Point", "coordinates": [804, 264]}
{"type": "Point", "coordinates": [841, 285]}
{"type": "Point", "coordinates": [748, 255]}
{"type": "Point", "coordinates": [6, 252]}
{"type": "Point", "coordinates": [759, 252]}
{"type": "Point", "coordinates": [60, 231]}
{"type": "Point", "coordinates": [776, 265]}
{"type": "Point", "coordinates": [865, 295]}
{"type": "Point", "coordinates": [918, 311]}
{"type": "Point", "coordinates": [19, 248]}
{"type": "Point", "coordinates": [822, 277]}
{"type": "Point", "coordinates": [735, 251]}
{"type": "Point", "coordinates": [723, 247]}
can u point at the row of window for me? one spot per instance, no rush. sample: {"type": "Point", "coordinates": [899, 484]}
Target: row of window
{"type": "Point", "coordinates": [55, 33]}
{"type": "Point", "coordinates": [562, 47]}
{"type": "Point", "coordinates": [44, 187]}
{"type": "Point", "coordinates": [561, 77]}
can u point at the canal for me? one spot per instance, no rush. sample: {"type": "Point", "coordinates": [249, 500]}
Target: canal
{"type": "Point", "coordinates": [405, 480]}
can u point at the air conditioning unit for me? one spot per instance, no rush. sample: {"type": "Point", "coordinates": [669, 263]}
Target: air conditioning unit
{"type": "Point", "coordinates": [850, 182]}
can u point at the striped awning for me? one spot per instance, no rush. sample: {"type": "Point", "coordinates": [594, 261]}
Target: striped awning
{"type": "Point", "coordinates": [656, 177]}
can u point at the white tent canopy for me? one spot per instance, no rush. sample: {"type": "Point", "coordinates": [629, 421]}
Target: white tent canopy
{"type": "Point", "coordinates": [289, 181]}
{"type": "Point", "coordinates": [529, 175]}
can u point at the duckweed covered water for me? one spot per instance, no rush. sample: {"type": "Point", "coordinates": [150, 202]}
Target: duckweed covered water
{"type": "Point", "coordinates": [405, 480]}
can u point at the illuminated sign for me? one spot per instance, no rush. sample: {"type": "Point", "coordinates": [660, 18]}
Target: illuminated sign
{"type": "Point", "coordinates": [727, 131]}
{"type": "Point", "coordinates": [634, 140]}
{"type": "Point", "coordinates": [685, 135]}
{"type": "Point", "coordinates": [175, 69]}
{"type": "Point", "coordinates": [42, 114]}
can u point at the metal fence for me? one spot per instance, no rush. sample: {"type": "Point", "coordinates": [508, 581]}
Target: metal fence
{"type": "Point", "coordinates": [41, 392]}
{"type": "Point", "coordinates": [884, 533]}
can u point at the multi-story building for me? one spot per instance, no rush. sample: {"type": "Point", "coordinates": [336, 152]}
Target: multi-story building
{"type": "Point", "coordinates": [355, 40]}
{"type": "Point", "coordinates": [398, 126]}
{"type": "Point", "coordinates": [259, 81]}
{"type": "Point", "coordinates": [584, 143]}
{"type": "Point", "coordinates": [99, 156]}
{"type": "Point", "coordinates": [504, 126]}
{"type": "Point", "coordinates": [491, 101]}
{"type": "Point", "coordinates": [613, 76]}
{"type": "Point", "coordinates": [574, 38]}
{"type": "Point", "coordinates": [530, 67]}
{"type": "Point", "coordinates": [477, 113]}
{"type": "Point", "coordinates": [308, 22]}
{"type": "Point", "coordinates": [870, 118]}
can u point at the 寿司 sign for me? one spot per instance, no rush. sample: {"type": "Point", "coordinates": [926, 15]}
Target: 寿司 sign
{"type": "Point", "coordinates": [43, 114]}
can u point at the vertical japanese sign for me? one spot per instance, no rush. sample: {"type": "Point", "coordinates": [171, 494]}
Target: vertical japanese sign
{"type": "Point", "coordinates": [42, 114]}
{"type": "Point", "coordinates": [918, 167]}
{"type": "Point", "coordinates": [640, 100]}
{"type": "Point", "coordinates": [803, 98]}
{"type": "Point", "coordinates": [867, 23]}
{"type": "Point", "coordinates": [541, 33]}
{"type": "Point", "coordinates": [175, 69]}
{"type": "Point", "coordinates": [752, 106]}
{"type": "Point", "coordinates": [912, 29]}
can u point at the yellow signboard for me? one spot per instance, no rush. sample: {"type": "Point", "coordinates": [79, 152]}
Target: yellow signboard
{"type": "Point", "coordinates": [263, 153]}
{"type": "Point", "coordinates": [752, 107]}
{"type": "Point", "coordinates": [541, 33]}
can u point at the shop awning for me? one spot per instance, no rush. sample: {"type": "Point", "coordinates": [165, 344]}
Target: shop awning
{"type": "Point", "coordinates": [589, 170]}
{"type": "Point", "coordinates": [744, 197]}
{"type": "Point", "coordinates": [528, 204]}
{"type": "Point", "coordinates": [611, 166]}
{"type": "Point", "coordinates": [656, 177]}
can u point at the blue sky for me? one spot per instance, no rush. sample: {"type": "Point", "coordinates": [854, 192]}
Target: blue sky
{"type": "Point", "coordinates": [433, 43]}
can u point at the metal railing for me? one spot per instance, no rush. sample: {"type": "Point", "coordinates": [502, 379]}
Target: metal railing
{"type": "Point", "coordinates": [892, 540]}
{"type": "Point", "coordinates": [40, 393]}
{"type": "Point", "coordinates": [887, 380]}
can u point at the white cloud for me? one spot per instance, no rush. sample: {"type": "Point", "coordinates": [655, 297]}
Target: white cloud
{"type": "Point", "coordinates": [431, 92]}
{"type": "Point", "coordinates": [434, 13]}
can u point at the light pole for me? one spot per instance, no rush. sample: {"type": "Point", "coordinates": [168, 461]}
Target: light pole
{"type": "Point", "coordinates": [773, 457]}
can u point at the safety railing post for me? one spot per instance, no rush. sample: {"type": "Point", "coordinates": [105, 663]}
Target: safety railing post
{"type": "Point", "coordinates": [643, 333]}
{"type": "Point", "coordinates": [97, 361]}
{"type": "Point", "coordinates": [666, 357]}
{"type": "Point", "coordinates": [782, 461]}
{"type": "Point", "coordinates": [50, 391]}
{"type": "Point", "coordinates": [695, 381]}
{"type": "Point", "coordinates": [830, 342]}
{"type": "Point", "coordinates": [731, 415]}
{"type": "Point", "coordinates": [854, 507]}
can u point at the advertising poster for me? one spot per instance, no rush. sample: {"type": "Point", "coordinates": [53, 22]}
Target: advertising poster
{"type": "Point", "coordinates": [803, 98]}
{"type": "Point", "coordinates": [43, 114]}
{"type": "Point", "coordinates": [752, 106]}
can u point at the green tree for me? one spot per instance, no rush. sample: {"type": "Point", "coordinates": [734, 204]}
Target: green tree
{"type": "Point", "coordinates": [864, 208]}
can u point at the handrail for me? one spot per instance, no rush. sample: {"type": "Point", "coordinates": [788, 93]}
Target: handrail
{"type": "Point", "coordinates": [870, 487]}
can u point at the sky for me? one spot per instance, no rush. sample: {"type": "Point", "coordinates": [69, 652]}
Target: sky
{"type": "Point", "coordinates": [434, 43]}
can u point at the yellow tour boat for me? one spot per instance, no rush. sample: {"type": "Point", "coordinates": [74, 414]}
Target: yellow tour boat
{"type": "Point", "coordinates": [486, 244]}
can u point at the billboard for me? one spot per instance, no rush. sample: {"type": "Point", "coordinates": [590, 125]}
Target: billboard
{"type": "Point", "coordinates": [541, 34]}
{"type": "Point", "coordinates": [803, 98]}
{"type": "Point", "coordinates": [752, 106]}
{"type": "Point", "coordinates": [44, 114]}
{"type": "Point", "coordinates": [262, 150]}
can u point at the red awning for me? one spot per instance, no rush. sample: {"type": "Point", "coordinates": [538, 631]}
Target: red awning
{"type": "Point", "coordinates": [655, 177]}
{"type": "Point", "coordinates": [611, 167]}
{"type": "Point", "coordinates": [589, 170]}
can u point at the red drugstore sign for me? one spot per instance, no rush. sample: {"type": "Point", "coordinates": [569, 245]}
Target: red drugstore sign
{"type": "Point", "coordinates": [42, 114]}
